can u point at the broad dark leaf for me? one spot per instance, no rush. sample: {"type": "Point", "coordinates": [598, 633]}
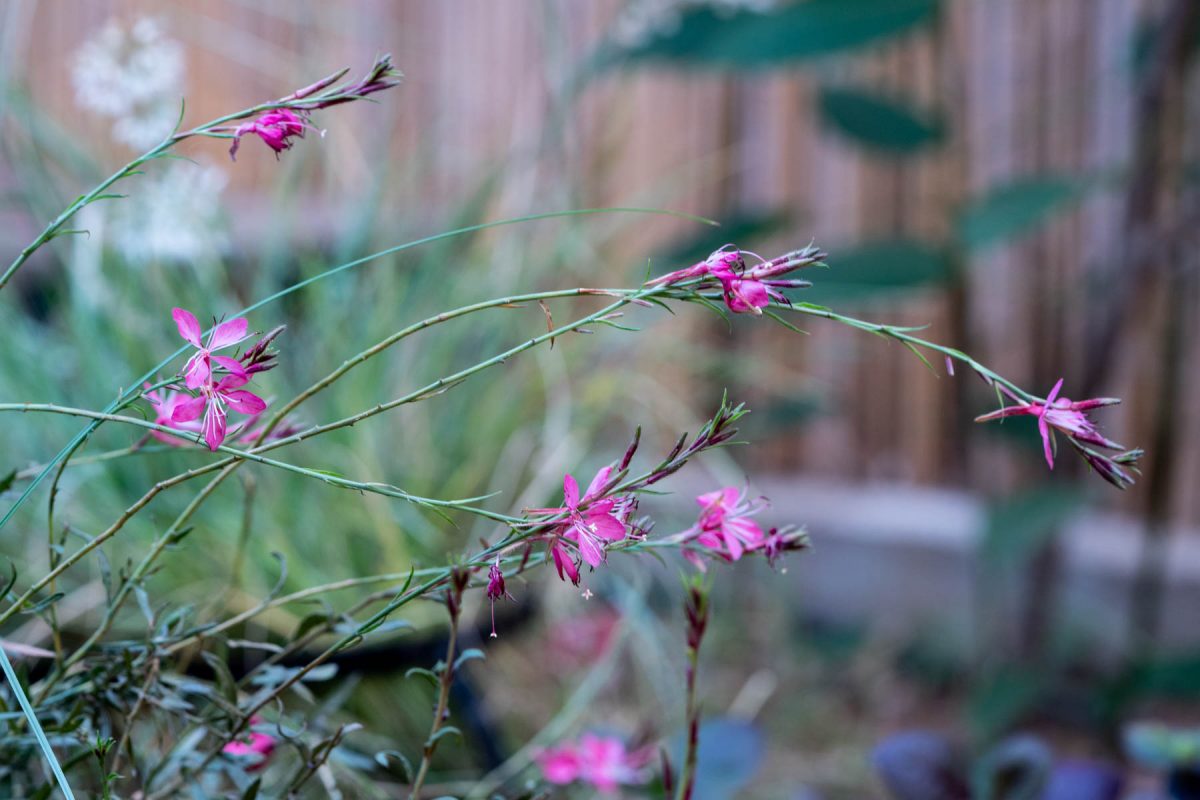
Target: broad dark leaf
{"type": "Point", "coordinates": [882, 123]}
{"type": "Point", "coordinates": [791, 33]}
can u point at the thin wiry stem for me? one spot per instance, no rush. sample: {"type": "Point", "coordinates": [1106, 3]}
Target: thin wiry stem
{"type": "Point", "coordinates": [131, 394]}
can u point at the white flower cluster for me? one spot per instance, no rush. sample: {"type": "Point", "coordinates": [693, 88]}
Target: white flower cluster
{"type": "Point", "coordinates": [175, 215]}
{"type": "Point", "coordinates": [639, 21]}
{"type": "Point", "coordinates": [134, 76]}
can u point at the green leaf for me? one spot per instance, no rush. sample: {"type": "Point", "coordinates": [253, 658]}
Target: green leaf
{"type": "Point", "coordinates": [885, 124]}
{"type": "Point", "coordinates": [791, 33]}
{"type": "Point", "coordinates": [448, 730]}
{"type": "Point", "coordinates": [468, 655]}
{"type": "Point", "coordinates": [7, 481]}
{"type": "Point", "coordinates": [1016, 208]}
{"type": "Point", "coordinates": [427, 674]}
{"type": "Point", "coordinates": [880, 267]}
{"type": "Point", "coordinates": [1019, 526]}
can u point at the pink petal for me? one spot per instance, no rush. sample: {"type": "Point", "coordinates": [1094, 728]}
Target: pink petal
{"type": "Point", "coordinates": [732, 544]}
{"type": "Point", "coordinates": [233, 365]}
{"type": "Point", "coordinates": [188, 325]}
{"type": "Point", "coordinates": [1054, 393]}
{"type": "Point", "coordinates": [589, 548]}
{"type": "Point", "coordinates": [188, 410]}
{"type": "Point", "coordinates": [607, 527]}
{"type": "Point", "coordinates": [564, 563]}
{"type": "Point", "coordinates": [228, 333]}
{"type": "Point", "coordinates": [214, 426]}
{"type": "Point", "coordinates": [230, 382]}
{"type": "Point", "coordinates": [598, 483]}
{"type": "Point", "coordinates": [244, 402]}
{"type": "Point", "coordinates": [570, 491]}
{"type": "Point", "coordinates": [746, 530]}
{"type": "Point", "coordinates": [197, 371]}
{"type": "Point", "coordinates": [1044, 430]}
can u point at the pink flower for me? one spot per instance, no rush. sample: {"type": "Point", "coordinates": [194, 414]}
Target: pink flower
{"type": "Point", "coordinates": [276, 129]}
{"type": "Point", "coordinates": [724, 525]}
{"type": "Point", "coordinates": [496, 590]}
{"type": "Point", "coordinates": [747, 290]}
{"type": "Point", "coordinates": [212, 402]}
{"type": "Point", "coordinates": [255, 746]}
{"type": "Point", "coordinates": [198, 370]}
{"type": "Point", "coordinates": [1060, 414]}
{"type": "Point", "coordinates": [563, 561]}
{"type": "Point", "coordinates": [602, 761]}
{"type": "Point", "coordinates": [591, 521]}
{"type": "Point", "coordinates": [165, 402]}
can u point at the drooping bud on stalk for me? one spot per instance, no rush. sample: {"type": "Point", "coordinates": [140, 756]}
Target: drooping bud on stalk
{"type": "Point", "coordinates": [496, 590]}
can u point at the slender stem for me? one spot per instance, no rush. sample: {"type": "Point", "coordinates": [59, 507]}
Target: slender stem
{"type": "Point", "coordinates": [445, 679]}
{"type": "Point", "coordinates": [132, 393]}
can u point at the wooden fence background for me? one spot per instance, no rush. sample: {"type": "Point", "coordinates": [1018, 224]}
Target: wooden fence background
{"type": "Point", "coordinates": [1027, 86]}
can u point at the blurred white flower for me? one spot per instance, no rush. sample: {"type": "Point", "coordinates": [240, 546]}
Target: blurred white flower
{"type": "Point", "coordinates": [174, 216]}
{"type": "Point", "coordinates": [639, 21]}
{"type": "Point", "coordinates": [134, 76]}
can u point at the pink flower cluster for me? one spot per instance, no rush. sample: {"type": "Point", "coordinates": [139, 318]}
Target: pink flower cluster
{"type": "Point", "coordinates": [255, 747]}
{"type": "Point", "coordinates": [724, 529]}
{"type": "Point", "coordinates": [276, 129]}
{"type": "Point", "coordinates": [215, 392]}
{"type": "Point", "coordinates": [602, 761]}
{"type": "Point", "coordinates": [747, 289]}
{"type": "Point", "coordinates": [1069, 417]}
{"type": "Point", "coordinates": [590, 524]}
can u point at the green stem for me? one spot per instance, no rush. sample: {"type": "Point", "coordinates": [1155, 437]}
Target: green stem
{"type": "Point", "coordinates": [129, 394]}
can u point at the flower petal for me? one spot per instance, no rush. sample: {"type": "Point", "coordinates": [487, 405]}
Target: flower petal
{"type": "Point", "coordinates": [233, 365]}
{"type": "Point", "coordinates": [188, 410]}
{"type": "Point", "coordinates": [228, 333]}
{"type": "Point", "coordinates": [606, 526]}
{"type": "Point", "coordinates": [197, 371]}
{"type": "Point", "coordinates": [188, 325]}
{"type": "Point", "coordinates": [214, 426]}
{"type": "Point", "coordinates": [598, 482]}
{"type": "Point", "coordinates": [570, 491]}
{"type": "Point", "coordinates": [244, 402]}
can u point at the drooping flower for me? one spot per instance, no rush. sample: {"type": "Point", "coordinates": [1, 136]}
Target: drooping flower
{"type": "Point", "coordinates": [496, 590]}
{"type": "Point", "coordinates": [165, 401]}
{"type": "Point", "coordinates": [213, 401]}
{"type": "Point", "coordinates": [1069, 417]}
{"type": "Point", "coordinates": [602, 761]}
{"type": "Point", "coordinates": [255, 746]}
{"type": "Point", "coordinates": [591, 522]}
{"type": "Point", "coordinates": [276, 129]}
{"type": "Point", "coordinates": [564, 562]}
{"type": "Point", "coordinates": [724, 524]}
{"type": "Point", "coordinates": [198, 369]}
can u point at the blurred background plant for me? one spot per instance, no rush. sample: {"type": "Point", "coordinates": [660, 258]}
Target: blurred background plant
{"type": "Point", "coordinates": [1018, 174]}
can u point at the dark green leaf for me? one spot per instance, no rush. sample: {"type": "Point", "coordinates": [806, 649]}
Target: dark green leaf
{"type": "Point", "coordinates": [886, 124]}
{"type": "Point", "coordinates": [7, 481]}
{"type": "Point", "coordinates": [1016, 208]}
{"type": "Point", "coordinates": [252, 790]}
{"type": "Point", "coordinates": [791, 33]}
